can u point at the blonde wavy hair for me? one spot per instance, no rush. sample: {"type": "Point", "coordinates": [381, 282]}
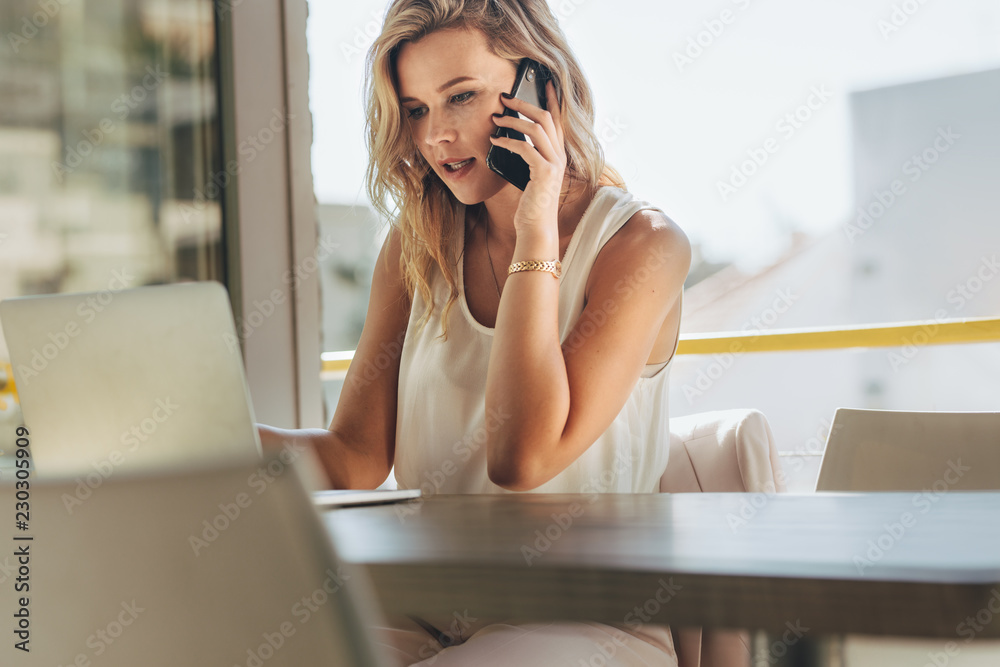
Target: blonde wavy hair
{"type": "Point", "coordinates": [423, 210]}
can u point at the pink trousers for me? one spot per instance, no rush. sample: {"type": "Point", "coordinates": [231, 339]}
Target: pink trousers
{"type": "Point", "coordinates": [515, 644]}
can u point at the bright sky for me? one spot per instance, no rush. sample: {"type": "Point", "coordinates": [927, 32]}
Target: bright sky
{"type": "Point", "coordinates": [676, 129]}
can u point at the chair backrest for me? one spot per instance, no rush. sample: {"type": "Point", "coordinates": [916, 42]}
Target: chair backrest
{"type": "Point", "coordinates": [228, 566]}
{"type": "Point", "coordinates": [722, 451]}
{"type": "Point", "coordinates": [886, 450]}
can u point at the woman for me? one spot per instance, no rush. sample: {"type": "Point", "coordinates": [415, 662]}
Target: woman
{"type": "Point", "coordinates": [504, 374]}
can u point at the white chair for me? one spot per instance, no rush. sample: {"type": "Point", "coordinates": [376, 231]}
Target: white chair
{"type": "Point", "coordinates": [885, 450]}
{"type": "Point", "coordinates": [219, 567]}
{"type": "Point", "coordinates": [711, 452]}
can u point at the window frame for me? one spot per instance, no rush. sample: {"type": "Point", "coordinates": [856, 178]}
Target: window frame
{"type": "Point", "coordinates": [269, 209]}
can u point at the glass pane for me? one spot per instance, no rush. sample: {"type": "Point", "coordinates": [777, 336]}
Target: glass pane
{"type": "Point", "coordinates": [352, 233]}
{"type": "Point", "coordinates": [109, 136]}
{"type": "Point", "coordinates": [838, 159]}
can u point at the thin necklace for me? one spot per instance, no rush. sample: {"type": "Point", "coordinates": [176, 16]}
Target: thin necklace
{"type": "Point", "coordinates": [496, 282]}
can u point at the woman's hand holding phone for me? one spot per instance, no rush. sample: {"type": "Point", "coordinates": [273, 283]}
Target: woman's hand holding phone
{"type": "Point", "coordinates": [539, 206]}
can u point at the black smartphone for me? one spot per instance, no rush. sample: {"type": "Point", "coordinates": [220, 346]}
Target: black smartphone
{"type": "Point", "coordinates": [529, 85]}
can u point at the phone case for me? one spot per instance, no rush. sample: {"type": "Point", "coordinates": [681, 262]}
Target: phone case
{"type": "Point", "coordinates": [529, 85]}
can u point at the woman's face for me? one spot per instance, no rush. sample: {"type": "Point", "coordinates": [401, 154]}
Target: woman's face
{"type": "Point", "coordinates": [449, 87]}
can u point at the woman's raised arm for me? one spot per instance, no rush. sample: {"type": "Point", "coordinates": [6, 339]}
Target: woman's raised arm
{"type": "Point", "coordinates": [561, 398]}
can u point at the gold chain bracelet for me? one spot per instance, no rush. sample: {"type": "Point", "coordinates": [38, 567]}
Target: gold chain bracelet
{"type": "Point", "coordinates": [552, 266]}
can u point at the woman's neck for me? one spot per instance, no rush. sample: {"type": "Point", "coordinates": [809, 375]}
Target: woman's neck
{"type": "Point", "coordinates": [497, 213]}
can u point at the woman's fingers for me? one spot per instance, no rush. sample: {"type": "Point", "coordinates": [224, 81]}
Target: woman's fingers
{"type": "Point", "coordinates": [541, 116]}
{"type": "Point", "coordinates": [539, 137]}
{"type": "Point", "coordinates": [543, 126]}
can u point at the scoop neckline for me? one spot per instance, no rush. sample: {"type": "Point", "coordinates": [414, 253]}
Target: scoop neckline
{"type": "Point", "coordinates": [574, 241]}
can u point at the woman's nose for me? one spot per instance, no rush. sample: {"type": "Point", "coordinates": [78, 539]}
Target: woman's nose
{"type": "Point", "coordinates": [439, 128]}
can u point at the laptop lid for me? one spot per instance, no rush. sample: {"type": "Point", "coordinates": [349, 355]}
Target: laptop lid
{"type": "Point", "coordinates": [200, 568]}
{"type": "Point", "coordinates": [149, 378]}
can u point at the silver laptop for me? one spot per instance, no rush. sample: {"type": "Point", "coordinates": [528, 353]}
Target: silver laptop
{"type": "Point", "coordinates": [141, 379]}
{"type": "Point", "coordinates": [137, 380]}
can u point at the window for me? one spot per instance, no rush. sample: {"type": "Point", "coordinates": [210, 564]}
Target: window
{"type": "Point", "coordinates": [109, 132]}
{"type": "Point", "coordinates": [832, 163]}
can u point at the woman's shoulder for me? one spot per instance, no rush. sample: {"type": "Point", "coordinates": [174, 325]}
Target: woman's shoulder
{"type": "Point", "coordinates": [647, 226]}
{"type": "Point", "coordinates": [648, 237]}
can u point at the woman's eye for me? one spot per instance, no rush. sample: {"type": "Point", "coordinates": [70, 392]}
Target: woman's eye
{"type": "Point", "coordinates": [461, 98]}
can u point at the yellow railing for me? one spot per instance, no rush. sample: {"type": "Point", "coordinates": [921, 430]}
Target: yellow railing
{"type": "Point", "coordinates": [917, 334]}
{"type": "Point", "coordinates": [7, 390]}
{"type": "Point", "coordinates": [931, 332]}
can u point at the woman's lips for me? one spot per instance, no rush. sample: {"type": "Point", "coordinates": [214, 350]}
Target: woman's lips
{"type": "Point", "coordinates": [460, 173]}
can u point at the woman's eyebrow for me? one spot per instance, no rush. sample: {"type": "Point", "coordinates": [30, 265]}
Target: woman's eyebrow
{"type": "Point", "coordinates": [444, 86]}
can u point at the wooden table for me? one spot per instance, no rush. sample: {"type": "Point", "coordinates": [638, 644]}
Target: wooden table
{"type": "Point", "coordinates": [890, 563]}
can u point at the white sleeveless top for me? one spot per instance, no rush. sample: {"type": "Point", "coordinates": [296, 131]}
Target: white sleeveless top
{"type": "Point", "coordinates": [441, 421]}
